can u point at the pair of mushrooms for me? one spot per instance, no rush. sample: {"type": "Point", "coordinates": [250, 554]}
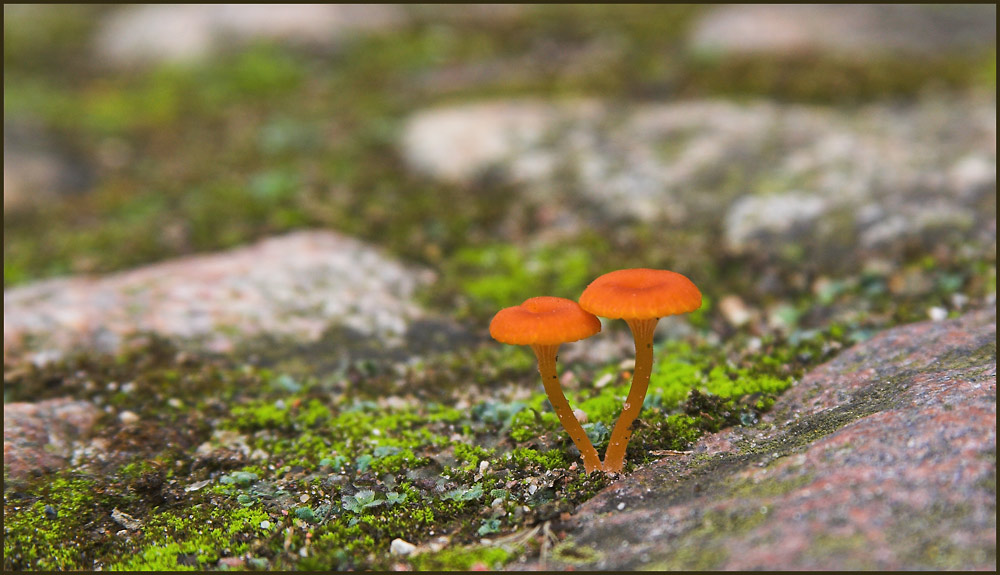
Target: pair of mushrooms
{"type": "Point", "coordinates": [640, 297]}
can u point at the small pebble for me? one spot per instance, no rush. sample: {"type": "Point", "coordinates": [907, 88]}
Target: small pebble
{"type": "Point", "coordinates": [400, 547]}
{"type": "Point", "coordinates": [734, 310]}
{"type": "Point", "coordinates": [603, 380]}
{"type": "Point", "coordinates": [937, 313]}
{"type": "Point", "coordinates": [959, 300]}
{"type": "Point", "coordinates": [128, 417]}
{"type": "Point", "coordinates": [197, 485]}
{"type": "Point", "coordinates": [125, 520]}
{"type": "Point", "coordinates": [621, 506]}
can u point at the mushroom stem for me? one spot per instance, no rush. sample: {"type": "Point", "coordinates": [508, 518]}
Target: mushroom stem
{"type": "Point", "coordinates": [642, 332]}
{"type": "Point", "coordinates": [546, 355]}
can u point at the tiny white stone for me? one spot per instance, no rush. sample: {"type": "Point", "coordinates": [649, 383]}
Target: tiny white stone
{"type": "Point", "coordinates": [621, 506]}
{"type": "Point", "coordinates": [937, 313]}
{"type": "Point", "coordinates": [400, 547]}
{"type": "Point", "coordinates": [128, 417]}
{"type": "Point", "coordinates": [603, 380]}
{"type": "Point", "coordinates": [959, 300]}
{"type": "Point", "coordinates": [265, 524]}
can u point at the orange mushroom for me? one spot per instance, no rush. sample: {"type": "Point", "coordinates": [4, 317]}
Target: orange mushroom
{"type": "Point", "coordinates": [545, 323]}
{"type": "Point", "coordinates": [640, 297]}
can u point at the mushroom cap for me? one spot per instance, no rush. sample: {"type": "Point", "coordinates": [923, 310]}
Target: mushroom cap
{"type": "Point", "coordinates": [543, 321]}
{"type": "Point", "coordinates": [640, 293]}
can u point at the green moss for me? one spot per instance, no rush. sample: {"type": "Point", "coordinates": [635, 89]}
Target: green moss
{"type": "Point", "coordinates": [502, 275]}
{"type": "Point", "coordinates": [526, 457]}
{"type": "Point", "coordinates": [824, 79]}
{"type": "Point", "coordinates": [471, 455]}
{"type": "Point", "coordinates": [462, 559]}
{"type": "Point", "coordinates": [192, 541]}
{"type": "Point", "coordinates": [568, 552]}
{"type": "Point", "coordinates": [46, 531]}
{"type": "Point", "coordinates": [756, 490]}
{"type": "Point", "coordinates": [703, 548]}
{"type": "Point", "coordinates": [262, 416]}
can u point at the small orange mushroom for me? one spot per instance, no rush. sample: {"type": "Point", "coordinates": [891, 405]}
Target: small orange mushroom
{"type": "Point", "coordinates": [641, 297]}
{"type": "Point", "coordinates": [545, 323]}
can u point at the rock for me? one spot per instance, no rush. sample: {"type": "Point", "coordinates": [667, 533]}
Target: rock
{"type": "Point", "coordinates": [858, 29]}
{"type": "Point", "coordinates": [39, 437]}
{"type": "Point", "coordinates": [189, 32]}
{"type": "Point", "coordinates": [148, 34]}
{"type": "Point", "coordinates": [780, 214]}
{"type": "Point", "coordinates": [883, 458]}
{"type": "Point", "coordinates": [400, 547]}
{"type": "Point", "coordinates": [36, 169]}
{"type": "Point", "coordinates": [777, 179]}
{"type": "Point", "coordinates": [735, 310]}
{"type": "Point", "coordinates": [295, 286]}
{"type": "Point", "coordinates": [125, 520]}
{"type": "Point", "coordinates": [459, 144]}
{"type": "Point", "coordinates": [129, 417]}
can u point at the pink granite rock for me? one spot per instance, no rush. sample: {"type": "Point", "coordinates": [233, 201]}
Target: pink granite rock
{"type": "Point", "coordinates": [883, 458]}
{"type": "Point", "coordinates": [294, 286]}
{"type": "Point", "coordinates": [38, 437]}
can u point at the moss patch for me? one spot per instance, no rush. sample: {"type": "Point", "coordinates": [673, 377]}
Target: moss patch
{"type": "Point", "coordinates": [299, 471]}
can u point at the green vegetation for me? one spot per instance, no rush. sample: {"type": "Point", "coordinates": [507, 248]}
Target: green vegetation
{"type": "Point", "coordinates": [44, 530]}
{"type": "Point", "coordinates": [288, 475]}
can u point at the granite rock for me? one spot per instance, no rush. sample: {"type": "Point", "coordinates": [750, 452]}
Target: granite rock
{"type": "Point", "coordinates": [882, 458]}
{"type": "Point", "coordinates": [39, 437]}
{"type": "Point", "coordinates": [188, 32]}
{"type": "Point", "coordinates": [296, 286]}
{"type": "Point", "coordinates": [856, 29]}
{"type": "Point", "coordinates": [148, 34]}
{"type": "Point", "coordinates": [765, 175]}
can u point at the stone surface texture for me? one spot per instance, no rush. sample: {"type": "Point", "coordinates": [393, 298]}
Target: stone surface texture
{"type": "Point", "coordinates": [188, 32]}
{"type": "Point", "coordinates": [856, 29]}
{"type": "Point", "coordinates": [882, 458]}
{"type": "Point", "coordinates": [765, 174]}
{"type": "Point", "coordinates": [148, 34]}
{"type": "Point", "coordinates": [39, 437]}
{"type": "Point", "coordinates": [296, 285]}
